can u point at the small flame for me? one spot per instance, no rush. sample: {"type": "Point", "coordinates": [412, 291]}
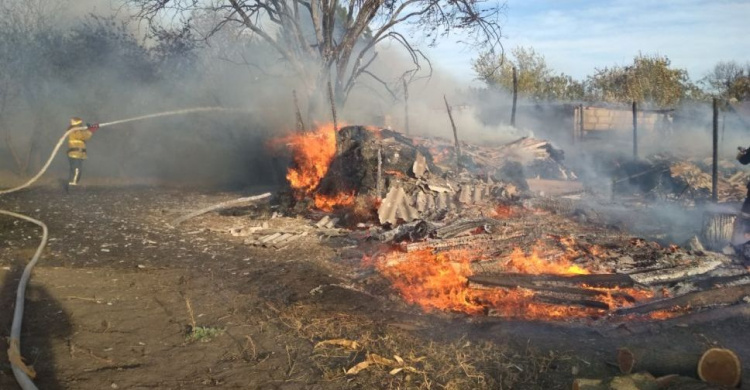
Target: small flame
{"type": "Point", "coordinates": [327, 203]}
{"type": "Point", "coordinates": [535, 264]}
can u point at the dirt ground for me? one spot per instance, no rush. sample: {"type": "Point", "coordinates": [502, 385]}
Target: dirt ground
{"type": "Point", "coordinates": [122, 300]}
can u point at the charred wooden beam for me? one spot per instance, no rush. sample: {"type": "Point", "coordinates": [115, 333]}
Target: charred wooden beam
{"type": "Point", "coordinates": [591, 280]}
{"type": "Point", "coordinates": [553, 300]}
{"type": "Point", "coordinates": [673, 274]}
{"type": "Point", "coordinates": [711, 282]}
{"type": "Point", "coordinates": [721, 296]}
{"type": "Point", "coordinates": [571, 291]}
{"type": "Point", "coordinates": [477, 240]}
{"type": "Point", "coordinates": [701, 317]}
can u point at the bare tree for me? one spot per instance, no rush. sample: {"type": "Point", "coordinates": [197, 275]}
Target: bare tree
{"type": "Point", "coordinates": [332, 40]}
{"type": "Point", "coordinates": [23, 28]}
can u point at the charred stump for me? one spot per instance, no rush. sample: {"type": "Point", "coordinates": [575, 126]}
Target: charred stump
{"type": "Point", "coordinates": [368, 160]}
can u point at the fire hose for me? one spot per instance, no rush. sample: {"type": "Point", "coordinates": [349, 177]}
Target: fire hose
{"type": "Point", "coordinates": [23, 373]}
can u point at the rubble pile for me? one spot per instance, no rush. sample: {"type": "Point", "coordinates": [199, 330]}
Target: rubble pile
{"type": "Point", "coordinates": [453, 235]}
{"type": "Point", "coordinates": [537, 158]}
{"type": "Point", "coordinates": [672, 178]}
{"type": "Point", "coordinates": [383, 164]}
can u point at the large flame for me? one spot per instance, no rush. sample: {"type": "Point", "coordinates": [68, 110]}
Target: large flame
{"type": "Point", "coordinates": [312, 154]}
{"type": "Point", "coordinates": [440, 281]}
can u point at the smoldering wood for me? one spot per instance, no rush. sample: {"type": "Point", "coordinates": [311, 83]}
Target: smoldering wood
{"type": "Point", "coordinates": [708, 282]}
{"type": "Point", "coordinates": [412, 231]}
{"type": "Point", "coordinates": [568, 301]}
{"type": "Point", "coordinates": [364, 158]}
{"type": "Point", "coordinates": [592, 280]}
{"type": "Point", "coordinates": [219, 206]}
{"type": "Point", "coordinates": [464, 226]}
{"type": "Point", "coordinates": [698, 299]}
{"type": "Point", "coordinates": [573, 292]}
{"type": "Point", "coordinates": [474, 241]}
{"type": "Point", "coordinates": [691, 319]}
{"type": "Point", "coordinates": [673, 274]}
{"type": "Point", "coordinates": [556, 296]}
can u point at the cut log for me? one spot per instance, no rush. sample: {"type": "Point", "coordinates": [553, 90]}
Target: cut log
{"type": "Point", "coordinates": [720, 366]}
{"type": "Point", "coordinates": [678, 359]}
{"type": "Point", "coordinates": [591, 280]}
{"type": "Point", "coordinates": [721, 296]}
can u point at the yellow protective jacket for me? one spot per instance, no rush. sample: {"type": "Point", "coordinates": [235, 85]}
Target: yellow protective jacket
{"type": "Point", "coordinates": [77, 143]}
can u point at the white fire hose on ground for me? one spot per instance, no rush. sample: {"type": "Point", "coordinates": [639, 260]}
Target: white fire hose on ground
{"type": "Point", "coordinates": [21, 371]}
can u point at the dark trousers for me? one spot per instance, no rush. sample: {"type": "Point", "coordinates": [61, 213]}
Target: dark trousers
{"type": "Point", "coordinates": [76, 169]}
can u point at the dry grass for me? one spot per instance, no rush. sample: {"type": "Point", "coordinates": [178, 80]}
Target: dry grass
{"type": "Point", "coordinates": [390, 358]}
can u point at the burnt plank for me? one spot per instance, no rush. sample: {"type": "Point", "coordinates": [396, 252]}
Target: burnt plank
{"type": "Point", "coordinates": [719, 296]}
{"type": "Point", "coordinates": [580, 292]}
{"type": "Point", "coordinates": [591, 280]}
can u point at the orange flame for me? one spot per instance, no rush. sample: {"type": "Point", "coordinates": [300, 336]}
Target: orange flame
{"type": "Point", "coordinates": [535, 264]}
{"type": "Point", "coordinates": [439, 281]}
{"type": "Point", "coordinates": [312, 154]}
{"type": "Point", "coordinates": [327, 203]}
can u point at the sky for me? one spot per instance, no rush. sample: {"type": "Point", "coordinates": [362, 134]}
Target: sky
{"type": "Point", "coordinates": [577, 36]}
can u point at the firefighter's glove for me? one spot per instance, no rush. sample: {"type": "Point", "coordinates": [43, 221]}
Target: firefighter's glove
{"type": "Point", "coordinates": [93, 127]}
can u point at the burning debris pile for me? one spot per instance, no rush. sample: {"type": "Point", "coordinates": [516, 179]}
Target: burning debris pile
{"type": "Point", "coordinates": [458, 239]}
{"type": "Point", "coordinates": [378, 169]}
{"type": "Point", "coordinates": [531, 157]}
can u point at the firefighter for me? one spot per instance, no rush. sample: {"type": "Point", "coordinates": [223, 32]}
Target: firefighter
{"type": "Point", "coordinates": [741, 234]}
{"type": "Point", "coordinates": [77, 148]}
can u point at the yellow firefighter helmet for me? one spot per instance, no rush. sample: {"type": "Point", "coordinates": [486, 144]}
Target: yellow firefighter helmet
{"type": "Point", "coordinates": [75, 121]}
